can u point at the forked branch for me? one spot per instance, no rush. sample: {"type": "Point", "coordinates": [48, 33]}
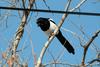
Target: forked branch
{"type": "Point", "coordinates": [86, 46]}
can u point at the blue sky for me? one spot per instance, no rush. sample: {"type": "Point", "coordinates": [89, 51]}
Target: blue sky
{"type": "Point", "coordinates": [33, 33]}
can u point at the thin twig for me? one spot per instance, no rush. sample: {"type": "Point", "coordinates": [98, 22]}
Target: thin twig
{"type": "Point", "coordinates": [78, 5]}
{"type": "Point", "coordinates": [39, 62]}
{"type": "Point", "coordinates": [75, 34]}
{"type": "Point", "coordinates": [62, 63]}
{"type": "Point", "coordinates": [31, 44]}
{"type": "Point", "coordinates": [23, 3]}
{"type": "Point", "coordinates": [86, 46]}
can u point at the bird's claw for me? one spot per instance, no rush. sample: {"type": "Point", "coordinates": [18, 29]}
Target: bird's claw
{"type": "Point", "coordinates": [51, 34]}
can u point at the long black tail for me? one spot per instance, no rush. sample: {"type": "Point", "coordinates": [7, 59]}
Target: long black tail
{"type": "Point", "coordinates": [65, 43]}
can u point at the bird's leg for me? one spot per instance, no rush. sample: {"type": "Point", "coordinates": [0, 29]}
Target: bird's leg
{"type": "Point", "coordinates": [51, 34]}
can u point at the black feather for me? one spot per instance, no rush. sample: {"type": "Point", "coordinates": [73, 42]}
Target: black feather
{"type": "Point", "coordinates": [65, 42]}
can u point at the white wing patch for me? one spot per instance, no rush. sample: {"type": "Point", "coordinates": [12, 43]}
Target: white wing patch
{"type": "Point", "coordinates": [51, 29]}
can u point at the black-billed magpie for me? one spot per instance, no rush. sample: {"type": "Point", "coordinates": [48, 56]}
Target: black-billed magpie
{"type": "Point", "coordinates": [48, 26]}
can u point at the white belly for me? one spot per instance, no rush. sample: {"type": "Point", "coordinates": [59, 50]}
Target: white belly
{"type": "Point", "coordinates": [51, 28]}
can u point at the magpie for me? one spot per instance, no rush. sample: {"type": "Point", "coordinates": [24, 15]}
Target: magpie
{"type": "Point", "coordinates": [48, 26]}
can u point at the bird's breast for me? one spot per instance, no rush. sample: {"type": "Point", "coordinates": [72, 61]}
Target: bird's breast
{"type": "Point", "coordinates": [51, 29]}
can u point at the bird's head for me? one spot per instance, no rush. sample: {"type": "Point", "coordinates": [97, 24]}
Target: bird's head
{"type": "Point", "coordinates": [42, 21]}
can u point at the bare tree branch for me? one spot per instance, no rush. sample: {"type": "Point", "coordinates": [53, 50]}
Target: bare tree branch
{"type": "Point", "coordinates": [86, 46]}
{"type": "Point", "coordinates": [19, 34]}
{"type": "Point", "coordinates": [76, 35]}
{"type": "Point", "coordinates": [39, 62]}
{"type": "Point", "coordinates": [78, 5]}
{"type": "Point", "coordinates": [20, 30]}
{"type": "Point", "coordinates": [23, 3]}
{"type": "Point", "coordinates": [62, 63]}
{"type": "Point", "coordinates": [94, 60]}
{"type": "Point", "coordinates": [31, 44]}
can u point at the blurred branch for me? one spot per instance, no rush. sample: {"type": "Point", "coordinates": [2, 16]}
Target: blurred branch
{"type": "Point", "coordinates": [23, 3]}
{"type": "Point", "coordinates": [94, 47]}
{"type": "Point", "coordinates": [78, 5]}
{"type": "Point", "coordinates": [54, 60]}
{"type": "Point", "coordinates": [19, 34]}
{"type": "Point", "coordinates": [62, 63]}
{"type": "Point", "coordinates": [46, 4]}
{"type": "Point", "coordinates": [75, 35]}
{"type": "Point", "coordinates": [86, 46]}
{"type": "Point", "coordinates": [60, 55]}
{"type": "Point", "coordinates": [20, 30]}
{"type": "Point", "coordinates": [31, 45]}
{"type": "Point", "coordinates": [94, 60]}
